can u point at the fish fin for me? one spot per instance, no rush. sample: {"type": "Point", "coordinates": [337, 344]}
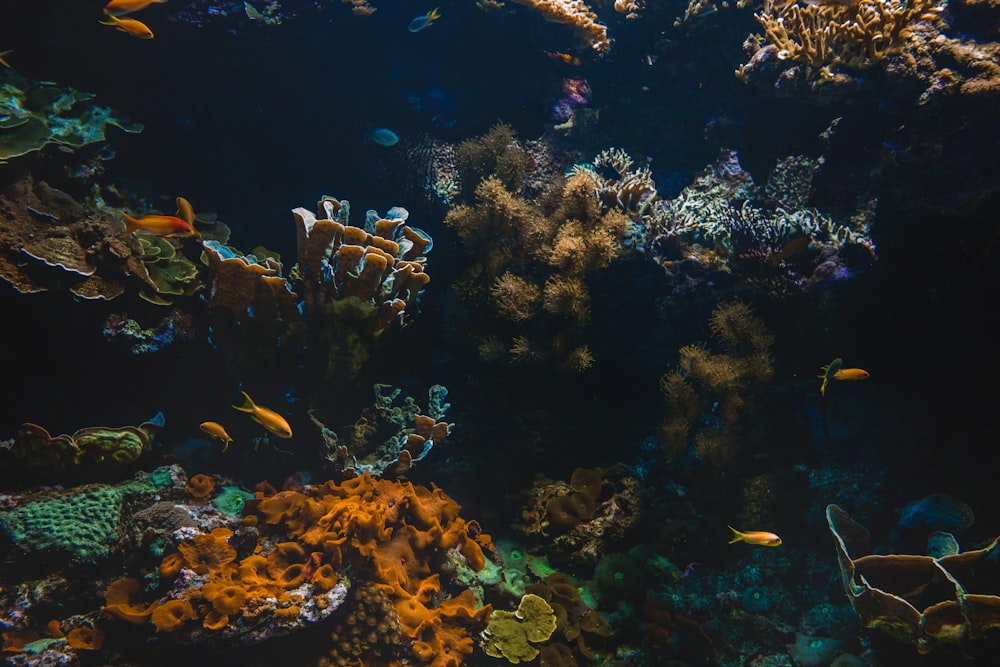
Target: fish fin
{"type": "Point", "coordinates": [248, 404]}
{"type": "Point", "coordinates": [225, 445]}
{"type": "Point", "coordinates": [737, 535]}
{"type": "Point", "coordinates": [131, 224]}
{"type": "Point", "coordinates": [185, 211]}
{"type": "Point", "coordinates": [109, 20]}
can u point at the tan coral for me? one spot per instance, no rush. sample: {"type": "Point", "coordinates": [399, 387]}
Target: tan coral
{"type": "Point", "coordinates": [575, 13]}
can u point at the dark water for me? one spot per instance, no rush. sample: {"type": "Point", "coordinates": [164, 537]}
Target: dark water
{"type": "Point", "coordinates": [250, 121]}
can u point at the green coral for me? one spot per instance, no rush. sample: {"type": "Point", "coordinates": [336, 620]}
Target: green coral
{"type": "Point", "coordinates": [35, 114]}
{"type": "Point", "coordinates": [231, 500]}
{"type": "Point", "coordinates": [510, 634]}
{"type": "Point", "coordinates": [170, 272]}
{"type": "Point", "coordinates": [81, 525]}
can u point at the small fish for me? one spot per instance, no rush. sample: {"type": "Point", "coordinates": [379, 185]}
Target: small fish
{"type": "Point", "coordinates": [792, 248]}
{"type": "Point", "coordinates": [165, 225]}
{"type": "Point", "coordinates": [836, 371]}
{"type": "Point", "coordinates": [383, 136]}
{"type": "Point", "coordinates": [564, 58]}
{"type": "Point", "coordinates": [269, 419]}
{"type": "Point", "coordinates": [4, 62]}
{"type": "Point", "coordinates": [217, 431]}
{"type": "Point", "coordinates": [758, 537]}
{"type": "Point", "coordinates": [132, 27]}
{"type": "Point", "coordinates": [123, 7]}
{"type": "Point", "coordinates": [851, 374]}
{"type": "Point", "coordinates": [421, 22]}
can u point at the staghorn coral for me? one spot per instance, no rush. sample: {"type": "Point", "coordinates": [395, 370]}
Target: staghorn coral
{"type": "Point", "coordinates": [574, 13]}
{"type": "Point", "coordinates": [710, 394]}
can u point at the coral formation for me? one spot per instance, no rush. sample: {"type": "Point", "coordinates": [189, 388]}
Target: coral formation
{"type": "Point", "coordinates": [88, 449]}
{"type": "Point", "coordinates": [355, 283]}
{"type": "Point", "coordinates": [81, 525]}
{"type": "Point", "coordinates": [924, 601]}
{"type": "Point", "coordinates": [532, 259]}
{"type": "Point", "coordinates": [389, 436]}
{"type": "Point", "coordinates": [710, 394]}
{"type": "Point", "coordinates": [511, 634]}
{"type": "Point", "coordinates": [36, 114]}
{"type": "Point", "coordinates": [578, 15]}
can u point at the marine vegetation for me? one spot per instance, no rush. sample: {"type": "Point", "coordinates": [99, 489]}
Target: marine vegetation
{"type": "Point", "coordinates": [710, 395]}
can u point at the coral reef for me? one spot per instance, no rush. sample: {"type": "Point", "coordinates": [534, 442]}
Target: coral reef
{"type": "Point", "coordinates": [88, 450]}
{"type": "Point", "coordinates": [578, 15]}
{"type": "Point", "coordinates": [354, 282]}
{"type": "Point", "coordinates": [710, 394]}
{"type": "Point", "coordinates": [387, 438]}
{"type": "Point", "coordinates": [578, 521]}
{"type": "Point", "coordinates": [946, 597]}
{"type": "Point", "coordinates": [532, 259]}
{"type": "Point", "coordinates": [36, 114]}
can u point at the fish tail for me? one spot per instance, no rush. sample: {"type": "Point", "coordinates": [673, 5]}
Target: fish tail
{"type": "Point", "coordinates": [248, 404]}
{"type": "Point", "coordinates": [131, 224]}
{"type": "Point", "coordinates": [434, 14]}
{"type": "Point", "coordinates": [225, 445]}
{"type": "Point", "coordinates": [108, 20]}
{"type": "Point", "coordinates": [822, 387]}
{"type": "Point", "coordinates": [737, 535]}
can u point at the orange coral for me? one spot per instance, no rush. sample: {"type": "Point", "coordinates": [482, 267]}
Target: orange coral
{"type": "Point", "coordinates": [172, 614]}
{"type": "Point", "coordinates": [208, 553]}
{"type": "Point", "coordinates": [325, 577]}
{"type": "Point", "coordinates": [85, 639]}
{"type": "Point", "coordinates": [171, 565]}
{"type": "Point", "coordinates": [225, 599]}
{"type": "Point", "coordinates": [124, 602]}
{"type": "Point", "coordinates": [200, 486]}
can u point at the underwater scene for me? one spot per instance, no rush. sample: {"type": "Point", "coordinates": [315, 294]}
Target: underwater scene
{"type": "Point", "coordinates": [565, 333]}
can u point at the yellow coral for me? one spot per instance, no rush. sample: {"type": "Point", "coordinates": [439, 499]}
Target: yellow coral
{"type": "Point", "coordinates": [514, 297]}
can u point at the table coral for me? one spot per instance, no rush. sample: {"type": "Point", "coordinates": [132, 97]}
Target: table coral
{"type": "Point", "coordinates": [88, 449]}
{"type": "Point", "coordinates": [36, 114]}
{"type": "Point", "coordinates": [924, 601]}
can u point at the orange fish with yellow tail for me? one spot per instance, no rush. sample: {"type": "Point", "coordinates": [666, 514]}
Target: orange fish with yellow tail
{"type": "Point", "coordinates": [122, 7]}
{"type": "Point", "coordinates": [180, 225]}
{"type": "Point", "coordinates": [836, 371]}
{"type": "Point", "coordinates": [132, 27]}
{"type": "Point", "coordinates": [269, 419]}
{"type": "Point", "coordinates": [759, 537]}
{"type": "Point", "coordinates": [217, 431]}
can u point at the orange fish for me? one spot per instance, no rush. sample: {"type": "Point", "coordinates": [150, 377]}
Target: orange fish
{"type": "Point", "coordinates": [758, 537]}
{"type": "Point", "coordinates": [851, 374]}
{"type": "Point", "coordinates": [122, 7]}
{"type": "Point", "coordinates": [217, 431]}
{"type": "Point", "coordinates": [165, 225]}
{"type": "Point", "coordinates": [269, 419]}
{"type": "Point", "coordinates": [132, 27]}
{"type": "Point", "coordinates": [564, 58]}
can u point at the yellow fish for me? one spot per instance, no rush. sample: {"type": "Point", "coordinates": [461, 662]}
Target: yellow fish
{"type": "Point", "coordinates": [165, 225]}
{"type": "Point", "coordinates": [269, 419]}
{"type": "Point", "coordinates": [217, 431]}
{"type": "Point", "coordinates": [122, 7]}
{"type": "Point", "coordinates": [132, 27]}
{"type": "Point", "coordinates": [836, 371]}
{"type": "Point", "coordinates": [758, 537]}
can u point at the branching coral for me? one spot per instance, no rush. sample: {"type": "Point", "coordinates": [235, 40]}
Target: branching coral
{"type": "Point", "coordinates": [532, 261]}
{"type": "Point", "coordinates": [710, 394]}
{"type": "Point", "coordinates": [573, 13]}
